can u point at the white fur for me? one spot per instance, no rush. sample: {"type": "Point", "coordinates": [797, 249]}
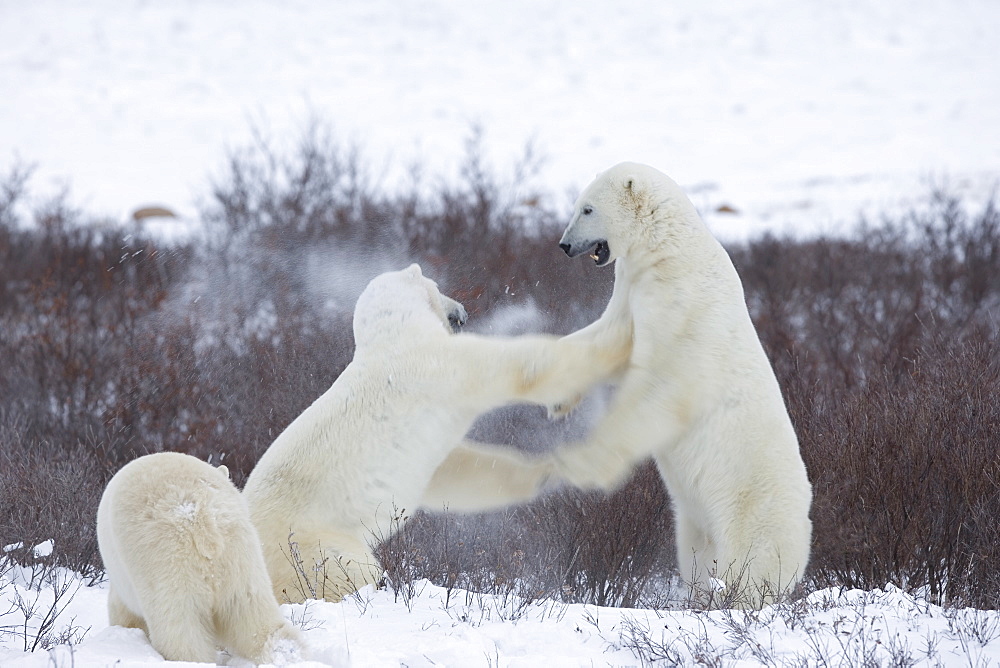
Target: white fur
{"type": "Point", "coordinates": [698, 393]}
{"type": "Point", "coordinates": [386, 438]}
{"type": "Point", "coordinates": [185, 565]}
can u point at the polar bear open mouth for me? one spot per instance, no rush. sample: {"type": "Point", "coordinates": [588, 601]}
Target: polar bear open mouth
{"type": "Point", "coordinates": [600, 253]}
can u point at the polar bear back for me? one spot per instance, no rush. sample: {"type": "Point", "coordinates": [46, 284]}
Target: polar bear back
{"type": "Point", "coordinates": [184, 561]}
{"type": "Point", "coordinates": [347, 449]}
{"type": "Point", "coordinates": [169, 507]}
{"type": "Point", "coordinates": [385, 413]}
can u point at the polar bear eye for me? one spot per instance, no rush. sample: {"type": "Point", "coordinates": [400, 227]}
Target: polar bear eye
{"type": "Point", "coordinates": [587, 210]}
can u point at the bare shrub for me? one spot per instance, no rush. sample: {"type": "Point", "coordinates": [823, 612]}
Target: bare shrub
{"type": "Point", "coordinates": [40, 620]}
{"type": "Point", "coordinates": [456, 551]}
{"type": "Point", "coordinates": [321, 579]}
{"type": "Point", "coordinates": [906, 474]}
{"type": "Point", "coordinates": [44, 499]}
{"type": "Point", "coordinates": [610, 547]}
{"type": "Point", "coordinates": [886, 350]}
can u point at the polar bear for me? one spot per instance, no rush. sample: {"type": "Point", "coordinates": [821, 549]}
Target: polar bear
{"type": "Point", "coordinates": [386, 437]}
{"type": "Point", "coordinates": [697, 393]}
{"type": "Point", "coordinates": [184, 563]}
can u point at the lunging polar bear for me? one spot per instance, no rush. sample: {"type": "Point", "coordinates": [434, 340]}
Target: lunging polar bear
{"type": "Point", "coordinates": [387, 436]}
{"type": "Point", "coordinates": [184, 563]}
{"type": "Point", "coordinates": [697, 392]}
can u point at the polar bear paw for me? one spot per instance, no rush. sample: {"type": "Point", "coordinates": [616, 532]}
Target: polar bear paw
{"type": "Point", "coordinates": [591, 468]}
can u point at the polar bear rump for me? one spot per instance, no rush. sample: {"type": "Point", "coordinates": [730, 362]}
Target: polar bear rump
{"type": "Point", "coordinates": [184, 563]}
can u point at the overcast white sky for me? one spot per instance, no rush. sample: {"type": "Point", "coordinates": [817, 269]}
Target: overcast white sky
{"type": "Point", "coordinates": [797, 114]}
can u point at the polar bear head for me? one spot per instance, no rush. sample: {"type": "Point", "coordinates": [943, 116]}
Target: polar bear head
{"type": "Point", "coordinates": [626, 209]}
{"type": "Point", "coordinates": [405, 299]}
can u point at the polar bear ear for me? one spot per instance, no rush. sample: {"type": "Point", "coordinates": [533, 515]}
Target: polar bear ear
{"type": "Point", "coordinates": [631, 184]}
{"type": "Point", "coordinates": [224, 470]}
{"type": "Point", "coordinates": [635, 191]}
{"type": "Point", "coordinates": [414, 270]}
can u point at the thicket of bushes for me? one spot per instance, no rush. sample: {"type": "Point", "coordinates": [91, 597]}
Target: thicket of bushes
{"type": "Point", "coordinates": [115, 343]}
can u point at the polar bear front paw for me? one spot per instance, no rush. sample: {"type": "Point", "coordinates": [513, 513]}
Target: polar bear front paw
{"type": "Point", "coordinates": [588, 468]}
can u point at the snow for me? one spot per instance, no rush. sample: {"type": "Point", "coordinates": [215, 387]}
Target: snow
{"type": "Point", "coordinates": [186, 510]}
{"type": "Point", "coordinates": [458, 628]}
{"type": "Point", "coordinates": [798, 115]}
{"type": "Point", "coordinates": [43, 549]}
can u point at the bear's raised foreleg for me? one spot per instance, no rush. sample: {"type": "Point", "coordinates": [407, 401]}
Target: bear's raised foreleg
{"type": "Point", "coordinates": [642, 417]}
{"type": "Point", "coordinates": [477, 477]}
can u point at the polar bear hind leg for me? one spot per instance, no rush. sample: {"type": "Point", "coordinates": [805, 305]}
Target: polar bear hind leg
{"type": "Point", "coordinates": [761, 569]}
{"type": "Point", "coordinates": [256, 630]}
{"type": "Point", "coordinates": [179, 627]}
{"type": "Point", "coordinates": [697, 556]}
{"type": "Point", "coordinates": [322, 572]}
{"type": "Point", "coordinates": [120, 615]}
{"type": "Point", "coordinates": [182, 632]}
{"type": "Point", "coordinates": [744, 564]}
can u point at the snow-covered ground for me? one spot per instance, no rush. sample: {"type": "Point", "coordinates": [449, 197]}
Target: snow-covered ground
{"type": "Point", "coordinates": [797, 114]}
{"type": "Point", "coordinates": [440, 628]}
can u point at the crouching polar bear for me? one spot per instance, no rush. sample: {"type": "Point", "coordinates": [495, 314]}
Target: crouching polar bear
{"type": "Point", "coordinates": [387, 436]}
{"type": "Point", "coordinates": [697, 392]}
{"type": "Point", "coordinates": [185, 565]}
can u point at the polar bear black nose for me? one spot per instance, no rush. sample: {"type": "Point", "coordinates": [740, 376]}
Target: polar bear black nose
{"type": "Point", "coordinates": [566, 248]}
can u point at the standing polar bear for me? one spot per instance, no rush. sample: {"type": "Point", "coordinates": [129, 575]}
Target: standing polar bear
{"type": "Point", "coordinates": [697, 393]}
{"type": "Point", "coordinates": [387, 436]}
{"type": "Point", "coordinates": [184, 563]}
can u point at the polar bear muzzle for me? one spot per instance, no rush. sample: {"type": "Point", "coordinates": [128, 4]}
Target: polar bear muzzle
{"type": "Point", "coordinates": [600, 250]}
